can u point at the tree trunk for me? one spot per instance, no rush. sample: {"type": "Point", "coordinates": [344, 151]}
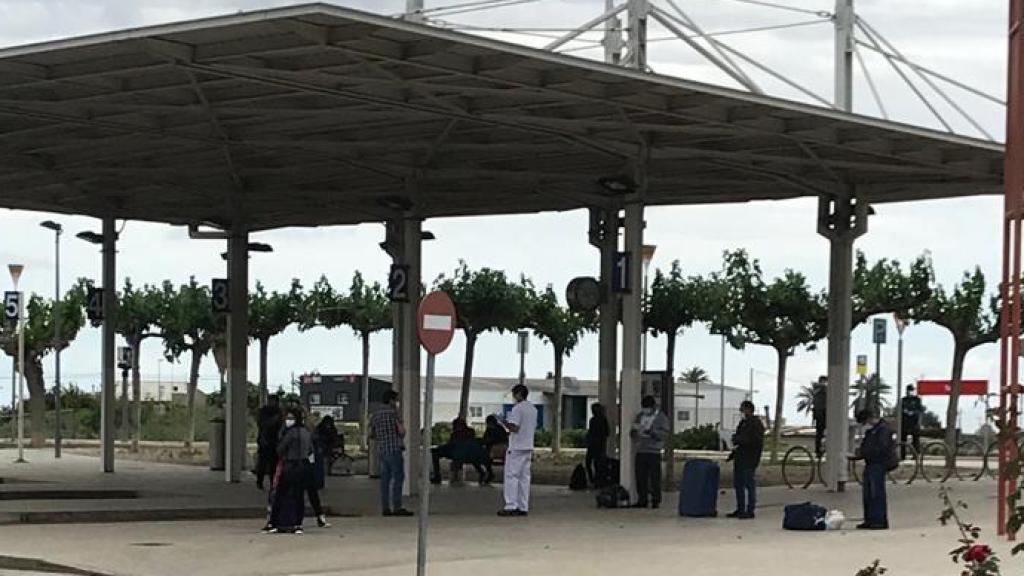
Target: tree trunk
{"type": "Point", "coordinates": [959, 353]}
{"type": "Point", "coordinates": [780, 397]}
{"type": "Point", "coordinates": [136, 345]}
{"type": "Point", "coordinates": [36, 401]}
{"type": "Point", "coordinates": [264, 349]}
{"type": "Point", "coordinates": [556, 443]}
{"type": "Point", "coordinates": [364, 410]}
{"type": "Point", "coordinates": [190, 409]}
{"type": "Point", "coordinates": [668, 406]}
{"type": "Point", "coordinates": [467, 374]}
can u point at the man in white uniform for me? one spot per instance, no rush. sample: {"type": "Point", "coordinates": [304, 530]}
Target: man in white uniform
{"type": "Point", "coordinates": [521, 424]}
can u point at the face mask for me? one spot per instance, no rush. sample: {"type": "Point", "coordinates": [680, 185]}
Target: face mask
{"type": "Point", "coordinates": [289, 422]}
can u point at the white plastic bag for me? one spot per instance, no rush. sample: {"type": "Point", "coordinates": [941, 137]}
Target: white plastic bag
{"type": "Point", "coordinates": [834, 520]}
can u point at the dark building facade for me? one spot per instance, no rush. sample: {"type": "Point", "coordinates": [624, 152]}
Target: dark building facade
{"type": "Point", "coordinates": [339, 395]}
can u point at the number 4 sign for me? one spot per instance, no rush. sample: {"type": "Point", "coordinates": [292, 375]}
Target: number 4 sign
{"type": "Point", "coordinates": [12, 305]}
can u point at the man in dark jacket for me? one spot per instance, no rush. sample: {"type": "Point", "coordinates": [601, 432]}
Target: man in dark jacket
{"type": "Point", "coordinates": [819, 408]}
{"type": "Point", "coordinates": [876, 449]}
{"type": "Point", "coordinates": [911, 424]}
{"type": "Point", "coordinates": [268, 424]}
{"type": "Point", "coordinates": [746, 457]}
{"type": "Point", "coordinates": [597, 446]}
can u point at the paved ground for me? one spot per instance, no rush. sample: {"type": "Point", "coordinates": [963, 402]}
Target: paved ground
{"type": "Point", "coordinates": [564, 535]}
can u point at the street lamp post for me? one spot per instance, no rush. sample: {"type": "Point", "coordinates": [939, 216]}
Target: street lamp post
{"type": "Point", "coordinates": [16, 270]}
{"type": "Point", "coordinates": [647, 254]}
{"type": "Point", "coordinates": [901, 325]}
{"type": "Point", "coordinates": [58, 428]}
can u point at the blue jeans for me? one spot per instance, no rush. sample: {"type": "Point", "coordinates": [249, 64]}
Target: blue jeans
{"type": "Point", "coordinates": [875, 507]}
{"type": "Point", "coordinates": [746, 488]}
{"type": "Point", "coordinates": [392, 477]}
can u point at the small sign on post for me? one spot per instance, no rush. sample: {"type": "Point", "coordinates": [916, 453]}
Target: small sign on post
{"type": "Point", "coordinates": [94, 305]}
{"type": "Point", "coordinates": [398, 283]}
{"type": "Point", "coordinates": [220, 298]}
{"type": "Point", "coordinates": [435, 326]}
{"type": "Point", "coordinates": [862, 364]}
{"type": "Point", "coordinates": [880, 329]}
{"type": "Point", "coordinates": [620, 273]}
{"type": "Point", "coordinates": [12, 306]}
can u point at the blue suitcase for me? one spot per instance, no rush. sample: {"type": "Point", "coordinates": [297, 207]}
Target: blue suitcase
{"type": "Point", "coordinates": [698, 490]}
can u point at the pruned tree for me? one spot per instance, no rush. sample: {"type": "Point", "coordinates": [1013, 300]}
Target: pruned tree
{"type": "Point", "coordinates": [972, 318]}
{"type": "Point", "coordinates": [673, 303]}
{"type": "Point", "coordinates": [138, 315]}
{"type": "Point", "coordinates": [369, 312]}
{"type": "Point", "coordinates": [39, 341]}
{"type": "Point", "coordinates": [885, 288]}
{"type": "Point", "coordinates": [269, 315]}
{"type": "Point", "coordinates": [188, 325]}
{"type": "Point", "coordinates": [484, 300]}
{"type": "Point", "coordinates": [562, 329]}
{"type": "Point", "coordinates": [783, 315]}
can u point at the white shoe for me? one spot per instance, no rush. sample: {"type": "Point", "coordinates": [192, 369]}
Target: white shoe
{"type": "Point", "coordinates": [322, 522]}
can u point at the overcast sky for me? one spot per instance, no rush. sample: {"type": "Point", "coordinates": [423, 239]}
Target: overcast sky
{"type": "Point", "coordinates": [963, 40]}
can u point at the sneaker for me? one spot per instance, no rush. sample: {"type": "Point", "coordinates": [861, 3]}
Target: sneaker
{"type": "Point", "coordinates": [298, 530]}
{"type": "Point", "coordinates": [868, 526]}
{"type": "Point", "coordinates": [735, 514]}
{"type": "Point", "coordinates": [268, 529]}
{"type": "Point", "coordinates": [401, 512]}
{"type": "Point", "coordinates": [746, 516]}
{"type": "Point", "coordinates": [509, 513]}
{"type": "Point", "coordinates": [388, 513]}
{"type": "Point", "coordinates": [321, 521]}
{"type": "Point", "coordinates": [522, 513]}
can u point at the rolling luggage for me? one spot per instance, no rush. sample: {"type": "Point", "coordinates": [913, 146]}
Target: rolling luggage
{"type": "Point", "coordinates": [698, 490]}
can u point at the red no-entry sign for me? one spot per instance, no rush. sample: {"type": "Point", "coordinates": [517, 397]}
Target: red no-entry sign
{"type": "Point", "coordinates": [435, 322]}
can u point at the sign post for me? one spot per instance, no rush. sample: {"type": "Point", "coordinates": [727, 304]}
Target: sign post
{"type": "Point", "coordinates": [880, 329]}
{"type": "Point", "coordinates": [435, 326]}
{"type": "Point", "coordinates": [901, 325]}
{"type": "Point", "coordinates": [16, 270]}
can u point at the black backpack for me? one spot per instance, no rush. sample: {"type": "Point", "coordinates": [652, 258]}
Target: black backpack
{"type": "Point", "coordinates": [613, 497]}
{"type": "Point", "coordinates": [804, 516]}
{"type": "Point", "coordinates": [578, 480]}
{"type": "Point", "coordinates": [606, 473]}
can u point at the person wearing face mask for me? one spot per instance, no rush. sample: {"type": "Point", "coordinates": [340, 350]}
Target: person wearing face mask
{"type": "Point", "coordinates": [877, 451]}
{"type": "Point", "coordinates": [649, 431]}
{"type": "Point", "coordinates": [294, 450]}
{"type": "Point", "coordinates": [746, 456]}
{"type": "Point", "coordinates": [522, 427]}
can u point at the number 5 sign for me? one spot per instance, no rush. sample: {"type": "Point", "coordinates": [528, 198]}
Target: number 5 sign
{"type": "Point", "coordinates": [12, 305]}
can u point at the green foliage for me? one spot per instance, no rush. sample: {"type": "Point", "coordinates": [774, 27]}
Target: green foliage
{"type": "Point", "coordinates": [39, 313]}
{"type": "Point", "coordinates": [272, 313]}
{"type": "Point", "coordinates": [187, 319]}
{"type": "Point", "coordinates": [676, 302]}
{"type": "Point", "coordinates": [930, 421]}
{"type": "Point", "coordinates": [978, 559]}
{"type": "Point", "coordinates": [486, 300]}
{"type": "Point", "coordinates": [884, 288]}
{"type": "Point", "coordinates": [969, 315]}
{"type": "Point", "coordinates": [557, 325]}
{"type": "Point", "coordinates": [871, 392]}
{"type": "Point", "coordinates": [805, 400]}
{"type": "Point", "coordinates": [369, 307]}
{"type": "Point", "coordinates": [574, 438]}
{"type": "Point", "coordinates": [703, 437]}
{"type": "Point", "coordinates": [324, 306]}
{"type": "Point", "coordinates": [138, 311]}
{"type": "Point", "coordinates": [543, 438]}
{"type": "Point", "coordinates": [440, 433]}
{"type": "Point", "coordinates": [695, 375]}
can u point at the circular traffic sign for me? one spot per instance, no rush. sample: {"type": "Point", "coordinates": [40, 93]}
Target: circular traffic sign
{"type": "Point", "coordinates": [435, 322]}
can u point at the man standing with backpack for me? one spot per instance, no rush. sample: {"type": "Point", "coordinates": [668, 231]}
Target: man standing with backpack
{"type": "Point", "coordinates": [876, 449]}
{"type": "Point", "coordinates": [746, 457]}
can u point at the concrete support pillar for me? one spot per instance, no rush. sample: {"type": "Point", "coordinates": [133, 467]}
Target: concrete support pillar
{"type": "Point", "coordinates": [412, 229]}
{"type": "Point", "coordinates": [844, 20]}
{"type": "Point", "coordinates": [604, 235]}
{"type": "Point", "coordinates": [841, 219]}
{"type": "Point", "coordinates": [632, 337]}
{"type": "Point", "coordinates": [238, 342]}
{"type": "Point", "coordinates": [108, 431]}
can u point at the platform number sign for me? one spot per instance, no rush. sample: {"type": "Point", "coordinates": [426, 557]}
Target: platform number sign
{"type": "Point", "coordinates": [879, 331]}
{"type": "Point", "coordinates": [219, 298]}
{"type": "Point", "coordinates": [620, 273]}
{"type": "Point", "coordinates": [94, 305]}
{"type": "Point", "coordinates": [398, 283]}
{"type": "Point", "coordinates": [12, 306]}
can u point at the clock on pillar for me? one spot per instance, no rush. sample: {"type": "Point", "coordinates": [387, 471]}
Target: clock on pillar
{"type": "Point", "coordinates": [584, 294]}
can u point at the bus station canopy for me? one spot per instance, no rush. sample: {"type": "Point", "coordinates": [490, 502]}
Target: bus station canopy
{"type": "Point", "coordinates": [318, 115]}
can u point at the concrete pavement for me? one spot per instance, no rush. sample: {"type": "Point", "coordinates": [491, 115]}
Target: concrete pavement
{"type": "Point", "coordinates": [564, 535]}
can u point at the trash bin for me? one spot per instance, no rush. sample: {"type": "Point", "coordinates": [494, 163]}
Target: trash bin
{"type": "Point", "coordinates": [217, 430]}
{"type": "Point", "coordinates": [372, 460]}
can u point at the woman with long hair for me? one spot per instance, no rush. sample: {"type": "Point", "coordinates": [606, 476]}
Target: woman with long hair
{"type": "Point", "coordinates": [293, 450]}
